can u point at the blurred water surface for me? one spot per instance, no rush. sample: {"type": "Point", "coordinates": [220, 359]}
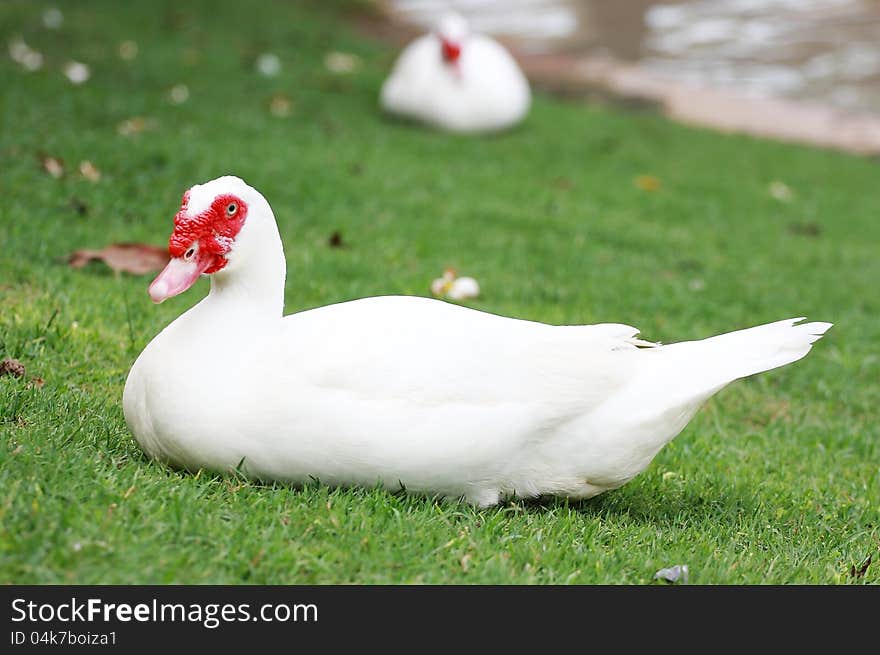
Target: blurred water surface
{"type": "Point", "coordinates": [826, 51]}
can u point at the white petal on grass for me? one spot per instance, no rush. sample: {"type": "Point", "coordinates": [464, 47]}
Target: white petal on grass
{"type": "Point", "coordinates": [456, 288]}
{"type": "Point", "coordinates": [77, 72]}
{"type": "Point", "coordinates": [53, 18]}
{"type": "Point", "coordinates": [24, 55]}
{"type": "Point", "coordinates": [178, 94]}
{"type": "Point", "coordinates": [677, 573]}
{"type": "Point", "coordinates": [463, 288]}
{"type": "Point", "coordinates": [33, 61]}
{"type": "Point", "coordinates": [268, 64]}
{"type": "Point", "coordinates": [780, 191]}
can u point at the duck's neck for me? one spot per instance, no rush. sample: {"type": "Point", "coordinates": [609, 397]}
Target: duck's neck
{"type": "Point", "coordinates": [255, 289]}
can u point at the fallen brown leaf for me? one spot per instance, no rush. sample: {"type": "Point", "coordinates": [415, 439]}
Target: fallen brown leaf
{"type": "Point", "coordinates": [134, 125]}
{"type": "Point", "coordinates": [648, 183]}
{"type": "Point", "coordinates": [860, 572]}
{"type": "Point", "coordinates": [13, 367]}
{"type": "Point", "coordinates": [89, 171]}
{"type": "Point", "coordinates": [341, 63]}
{"type": "Point", "coordinates": [135, 258]}
{"type": "Point", "coordinates": [280, 106]}
{"type": "Point", "coordinates": [128, 50]}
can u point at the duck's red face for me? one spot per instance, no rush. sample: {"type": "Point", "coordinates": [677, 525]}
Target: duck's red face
{"type": "Point", "coordinates": [199, 243]}
{"type": "Point", "coordinates": [451, 50]}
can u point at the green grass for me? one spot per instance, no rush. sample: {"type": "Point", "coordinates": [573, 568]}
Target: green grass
{"type": "Point", "coordinates": [777, 479]}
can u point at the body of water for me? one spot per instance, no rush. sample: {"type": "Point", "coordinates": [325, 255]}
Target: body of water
{"type": "Point", "coordinates": [826, 51]}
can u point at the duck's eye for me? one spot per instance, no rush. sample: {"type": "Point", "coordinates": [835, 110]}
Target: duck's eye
{"type": "Point", "coordinates": [189, 253]}
{"type": "Point", "coordinates": [231, 208]}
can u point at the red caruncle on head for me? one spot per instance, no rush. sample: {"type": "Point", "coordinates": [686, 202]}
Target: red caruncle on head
{"type": "Point", "coordinates": [208, 235]}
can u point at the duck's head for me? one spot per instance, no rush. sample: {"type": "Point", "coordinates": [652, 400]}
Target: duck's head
{"type": "Point", "coordinates": [212, 233]}
{"type": "Point", "coordinates": [452, 30]}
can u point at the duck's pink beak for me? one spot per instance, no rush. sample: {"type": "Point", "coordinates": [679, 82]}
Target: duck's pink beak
{"type": "Point", "coordinates": [178, 276]}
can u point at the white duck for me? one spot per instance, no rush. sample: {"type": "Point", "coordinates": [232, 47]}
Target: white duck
{"type": "Point", "coordinates": [406, 391]}
{"type": "Point", "coordinates": [458, 81]}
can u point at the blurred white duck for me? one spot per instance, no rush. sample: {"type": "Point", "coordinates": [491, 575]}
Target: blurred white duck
{"type": "Point", "coordinates": [405, 391]}
{"type": "Point", "coordinates": [458, 81]}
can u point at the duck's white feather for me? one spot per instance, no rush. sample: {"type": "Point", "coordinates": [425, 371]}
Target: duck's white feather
{"type": "Point", "coordinates": [423, 394]}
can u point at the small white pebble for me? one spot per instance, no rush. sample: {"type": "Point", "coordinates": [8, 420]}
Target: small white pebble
{"type": "Point", "coordinates": [77, 72]}
{"type": "Point", "coordinates": [268, 65]}
{"type": "Point", "coordinates": [697, 284]}
{"type": "Point", "coordinates": [179, 94]}
{"type": "Point", "coordinates": [128, 50]}
{"type": "Point", "coordinates": [53, 18]}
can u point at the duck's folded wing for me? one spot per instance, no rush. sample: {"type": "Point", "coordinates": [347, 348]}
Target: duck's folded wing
{"type": "Point", "coordinates": [427, 352]}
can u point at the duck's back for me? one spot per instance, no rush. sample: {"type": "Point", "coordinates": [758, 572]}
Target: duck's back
{"type": "Point", "coordinates": [431, 352]}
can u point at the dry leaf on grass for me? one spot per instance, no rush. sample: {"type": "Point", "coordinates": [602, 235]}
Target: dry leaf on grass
{"type": "Point", "coordinates": [341, 63]}
{"type": "Point", "coordinates": [134, 125]}
{"type": "Point", "coordinates": [648, 183]}
{"type": "Point", "coordinates": [134, 258]}
{"type": "Point", "coordinates": [280, 106]}
{"type": "Point", "coordinates": [863, 568]}
{"type": "Point", "coordinates": [89, 171]}
{"type": "Point", "coordinates": [128, 50]}
{"type": "Point", "coordinates": [54, 166]}
{"type": "Point", "coordinates": [12, 367]}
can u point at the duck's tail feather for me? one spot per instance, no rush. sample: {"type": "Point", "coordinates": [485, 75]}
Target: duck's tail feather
{"type": "Point", "coordinates": [738, 354]}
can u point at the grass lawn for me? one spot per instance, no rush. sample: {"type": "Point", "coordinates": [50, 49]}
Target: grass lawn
{"type": "Point", "coordinates": [777, 479]}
